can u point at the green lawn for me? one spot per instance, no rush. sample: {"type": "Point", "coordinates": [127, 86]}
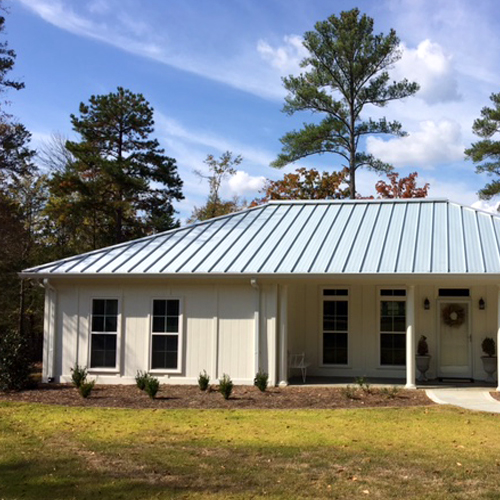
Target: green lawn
{"type": "Point", "coordinates": [65, 453]}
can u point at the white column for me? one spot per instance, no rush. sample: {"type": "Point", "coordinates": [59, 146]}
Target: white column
{"type": "Point", "coordinates": [410, 338]}
{"type": "Point", "coordinates": [256, 319]}
{"type": "Point", "coordinates": [498, 336]}
{"type": "Point", "coordinates": [283, 329]}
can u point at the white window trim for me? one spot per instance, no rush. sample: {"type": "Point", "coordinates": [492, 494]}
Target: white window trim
{"type": "Point", "coordinates": [180, 342]}
{"type": "Point", "coordinates": [117, 367]}
{"type": "Point", "coordinates": [394, 298]}
{"type": "Point", "coordinates": [321, 332]}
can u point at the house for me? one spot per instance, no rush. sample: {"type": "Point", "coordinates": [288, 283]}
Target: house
{"type": "Point", "coordinates": [353, 284]}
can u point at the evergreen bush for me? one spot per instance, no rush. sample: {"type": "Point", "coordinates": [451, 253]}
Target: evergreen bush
{"type": "Point", "coordinates": [261, 380]}
{"type": "Point", "coordinates": [225, 386]}
{"type": "Point", "coordinates": [152, 386]}
{"type": "Point", "coordinates": [85, 388]}
{"type": "Point", "coordinates": [15, 362]}
{"type": "Point", "coordinates": [78, 375]}
{"type": "Point", "coordinates": [141, 379]}
{"type": "Point", "coordinates": [203, 380]}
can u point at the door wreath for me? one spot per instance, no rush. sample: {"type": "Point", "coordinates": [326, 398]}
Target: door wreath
{"type": "Point", "coordinates": [453, 315]}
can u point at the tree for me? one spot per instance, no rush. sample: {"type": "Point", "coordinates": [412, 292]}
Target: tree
{"type": "Point", "coordinates": [487, 150]}
{"type": "Point", "coordinates": [117, 184]}
{"type": "Point", "coordinates": [406, 187]}
{"type": "Point", "coordinates": [305, 184]}
{"type": "Point", "coordinates": [346, 70]}
{"type": "Point", "coordinates": [220, 170]}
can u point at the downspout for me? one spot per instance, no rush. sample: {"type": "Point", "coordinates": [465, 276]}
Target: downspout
{"type": "Point", "coordinates": [255, 285]}
{"type": "Point", "coordinates": [49, 333]}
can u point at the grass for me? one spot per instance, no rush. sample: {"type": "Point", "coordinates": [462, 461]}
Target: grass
{"type": "Point", "coordinates": [74, 453]}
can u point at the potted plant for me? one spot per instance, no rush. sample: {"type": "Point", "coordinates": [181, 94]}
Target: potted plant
{"type": "Point", "coordinates": [489, 358]}
{"type": "Point", "coordinates": [423, 358]}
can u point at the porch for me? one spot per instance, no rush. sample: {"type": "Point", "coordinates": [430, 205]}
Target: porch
{"type": "Point", "coordinates": [366, 329]}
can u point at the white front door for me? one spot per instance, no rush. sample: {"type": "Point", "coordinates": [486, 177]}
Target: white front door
{"type": "Point", "coordinates": [454, 339]}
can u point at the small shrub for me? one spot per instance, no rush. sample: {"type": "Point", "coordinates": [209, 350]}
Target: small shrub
{"type": "Point", "coordinates": [390, 392]}
{"type": "Point", "coordinates": [488, 346]}
{"type": "Point", "coordinates": [85, 388]}
{"type": "Point", "coordinates": [78, 375]}
{"type": "Point", "coordinates": [225, 386]}
{"type": "Point", "coordinates": [203, 380]}
{"type": "Point", "coordinates": [261, 380]}
{"type": "Point", "coordinates": [422, 347]}
{"type": "Point", "coordinates": [15, 362]}
{"type": "Point", "coordinates": [152, 386]}
{"type": "Point", "coordinates": [141, 379]}
{"type": "Point", "coordinates": [363, 384]}
{"type": "Point", "coordinates": [350, 392]}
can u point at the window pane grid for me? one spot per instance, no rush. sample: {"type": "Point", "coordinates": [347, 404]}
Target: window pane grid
{"type": "Point", "coordinates": [165, 334]}
{"type": "Point", "coordinates": [335, 328]}
{"type": "Point", "coordinates": [104, 328]}
{"type": "Point", "coordinates": [393, 332]}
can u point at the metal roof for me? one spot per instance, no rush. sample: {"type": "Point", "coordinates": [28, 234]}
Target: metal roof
{"type": "Point", "coordinates": [417, 236]}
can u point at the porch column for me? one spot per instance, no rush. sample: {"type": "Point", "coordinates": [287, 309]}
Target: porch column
{"type": "Point", "coordinates": [498, 337]}
{"type": "Point", "coordinates": [283, 335]}
{"type": "Point", "coordinates": [410, 338]}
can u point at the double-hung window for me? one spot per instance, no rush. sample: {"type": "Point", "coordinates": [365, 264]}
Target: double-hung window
{"type": "Point", "coordinates": [104, 333]}
{"type": "Point", "coordinates": [166, 326]}
{"type": "Point", "coordinates": [335, 326]}
{"type": "Point", "coordinates": [393, 327]}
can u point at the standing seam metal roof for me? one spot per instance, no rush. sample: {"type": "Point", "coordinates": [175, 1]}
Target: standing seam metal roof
{"type": "Point", "coordinates": [417, 236]}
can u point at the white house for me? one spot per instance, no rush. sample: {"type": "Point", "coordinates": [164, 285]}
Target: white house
{"type": "Point", "coordinates": [353, 284]}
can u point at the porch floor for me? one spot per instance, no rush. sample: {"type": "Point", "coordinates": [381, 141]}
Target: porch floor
{"type": "Point", "coordinates": [384, 382]}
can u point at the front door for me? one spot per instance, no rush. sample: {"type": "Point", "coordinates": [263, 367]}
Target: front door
{"type": "Point", "coordinates": [454, 339]}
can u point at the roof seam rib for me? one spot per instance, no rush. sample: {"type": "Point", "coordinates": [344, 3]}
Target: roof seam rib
{"type": "Point", "coordinates": [396, 263]}
{"type": "Point", "coordinates": [358, 229]}
{"type": "Point", "coordinates": [375, 222]}
{"type": "Point", "coordinates": [285, 255]}
{"type": "Point", "coordinates": [325, 238]}
{"type": "Point", "coordinates": [339, 239]}
{"type": "Point", "coordinates": [417, 225]}
{"type": "Point", "coordinates": [263, 226]}
{"type": "Point", "coordinates": [464, 239]}
{"type": "Point", "coordinates": [385, 238]}
{"type": "Point", "coordinates": [276, 225]}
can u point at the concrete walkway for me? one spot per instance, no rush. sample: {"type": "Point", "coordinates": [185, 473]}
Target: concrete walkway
{"type": "Point", "coordinates": [471, 398]}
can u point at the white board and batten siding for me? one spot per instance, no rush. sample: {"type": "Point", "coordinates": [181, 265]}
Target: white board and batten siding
{"type": "Point", "coordinates": [218, 330]}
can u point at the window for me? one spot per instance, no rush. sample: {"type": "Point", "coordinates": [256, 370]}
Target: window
{"type": "Point", "coordinates": [454, 292]}
{"type": "Point", "coordinates": [165, 327]}
{"type": "Point", "coordinates": [335, 327]}
{"type": "Point", "coordinates": [104, 331]}
{"type": "Point", "coordinates": [393, 328]}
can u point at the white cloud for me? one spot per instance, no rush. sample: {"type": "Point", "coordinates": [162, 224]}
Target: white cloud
{"type": "Point", "coordinates": [432, 68]}
{"type": "Point", "coordinates": [242, 70]}
{"type": "Point", "coordinates": [433, 144]}
{"type": "Point", "coordinates": [173, 128]}
{"type": "Point", "coordinates": [243, 183]}
{"type": "Point", "coordinates": [487, 206]}
{"type": "Point", "coordinates": [285, 58]}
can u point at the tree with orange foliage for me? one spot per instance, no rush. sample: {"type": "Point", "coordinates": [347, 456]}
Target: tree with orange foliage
{"type": "Point", "coordinates": [406, 187]}
{"type": "Point", "coordinates": [305, 184]}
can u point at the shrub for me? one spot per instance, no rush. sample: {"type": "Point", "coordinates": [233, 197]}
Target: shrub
{"type": "Point", "coordinates": [225, 386]}
{"type": "Point", "coordinates": [363, 384]}
{"type": "Point", "coordinates": [152, 386]}
{"type": "Point", "coordinates": [15, 362]}
{"type": "Point", "coordinates": [203, 380]}
{"type": "Point", "coordinates": [141, 379]}
{"type": "Point", "coordinates": [422, 347]}
{"type": "Point", "coordinates": [488, 346]}
{"type": "Point", "coordinates": [78, 376]}
{"type": "Point", "coordinates": [350, 392]}
{"type": "Point", "coordinates": [390, 392]}
{"type": "Point", "coordinates": [260, 380]}
{"type": "Point", "coordinates": [85, 388]}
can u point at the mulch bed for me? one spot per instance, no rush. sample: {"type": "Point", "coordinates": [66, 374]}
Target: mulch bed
{"type": "Point", "coordinates": [247, 397]}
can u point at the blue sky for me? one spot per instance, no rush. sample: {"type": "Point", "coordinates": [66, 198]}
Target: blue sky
{"type": "Point", "coordinates": [212, 71]}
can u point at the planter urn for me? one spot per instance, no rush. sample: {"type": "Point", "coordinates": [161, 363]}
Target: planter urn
{"type": "Point", "coordinates": [490, 367]}
{"type": "Point", "coordinates": [423, 363]}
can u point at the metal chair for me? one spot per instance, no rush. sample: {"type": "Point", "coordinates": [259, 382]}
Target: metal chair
{"type": "Point", "coordinates": [297, 361]}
